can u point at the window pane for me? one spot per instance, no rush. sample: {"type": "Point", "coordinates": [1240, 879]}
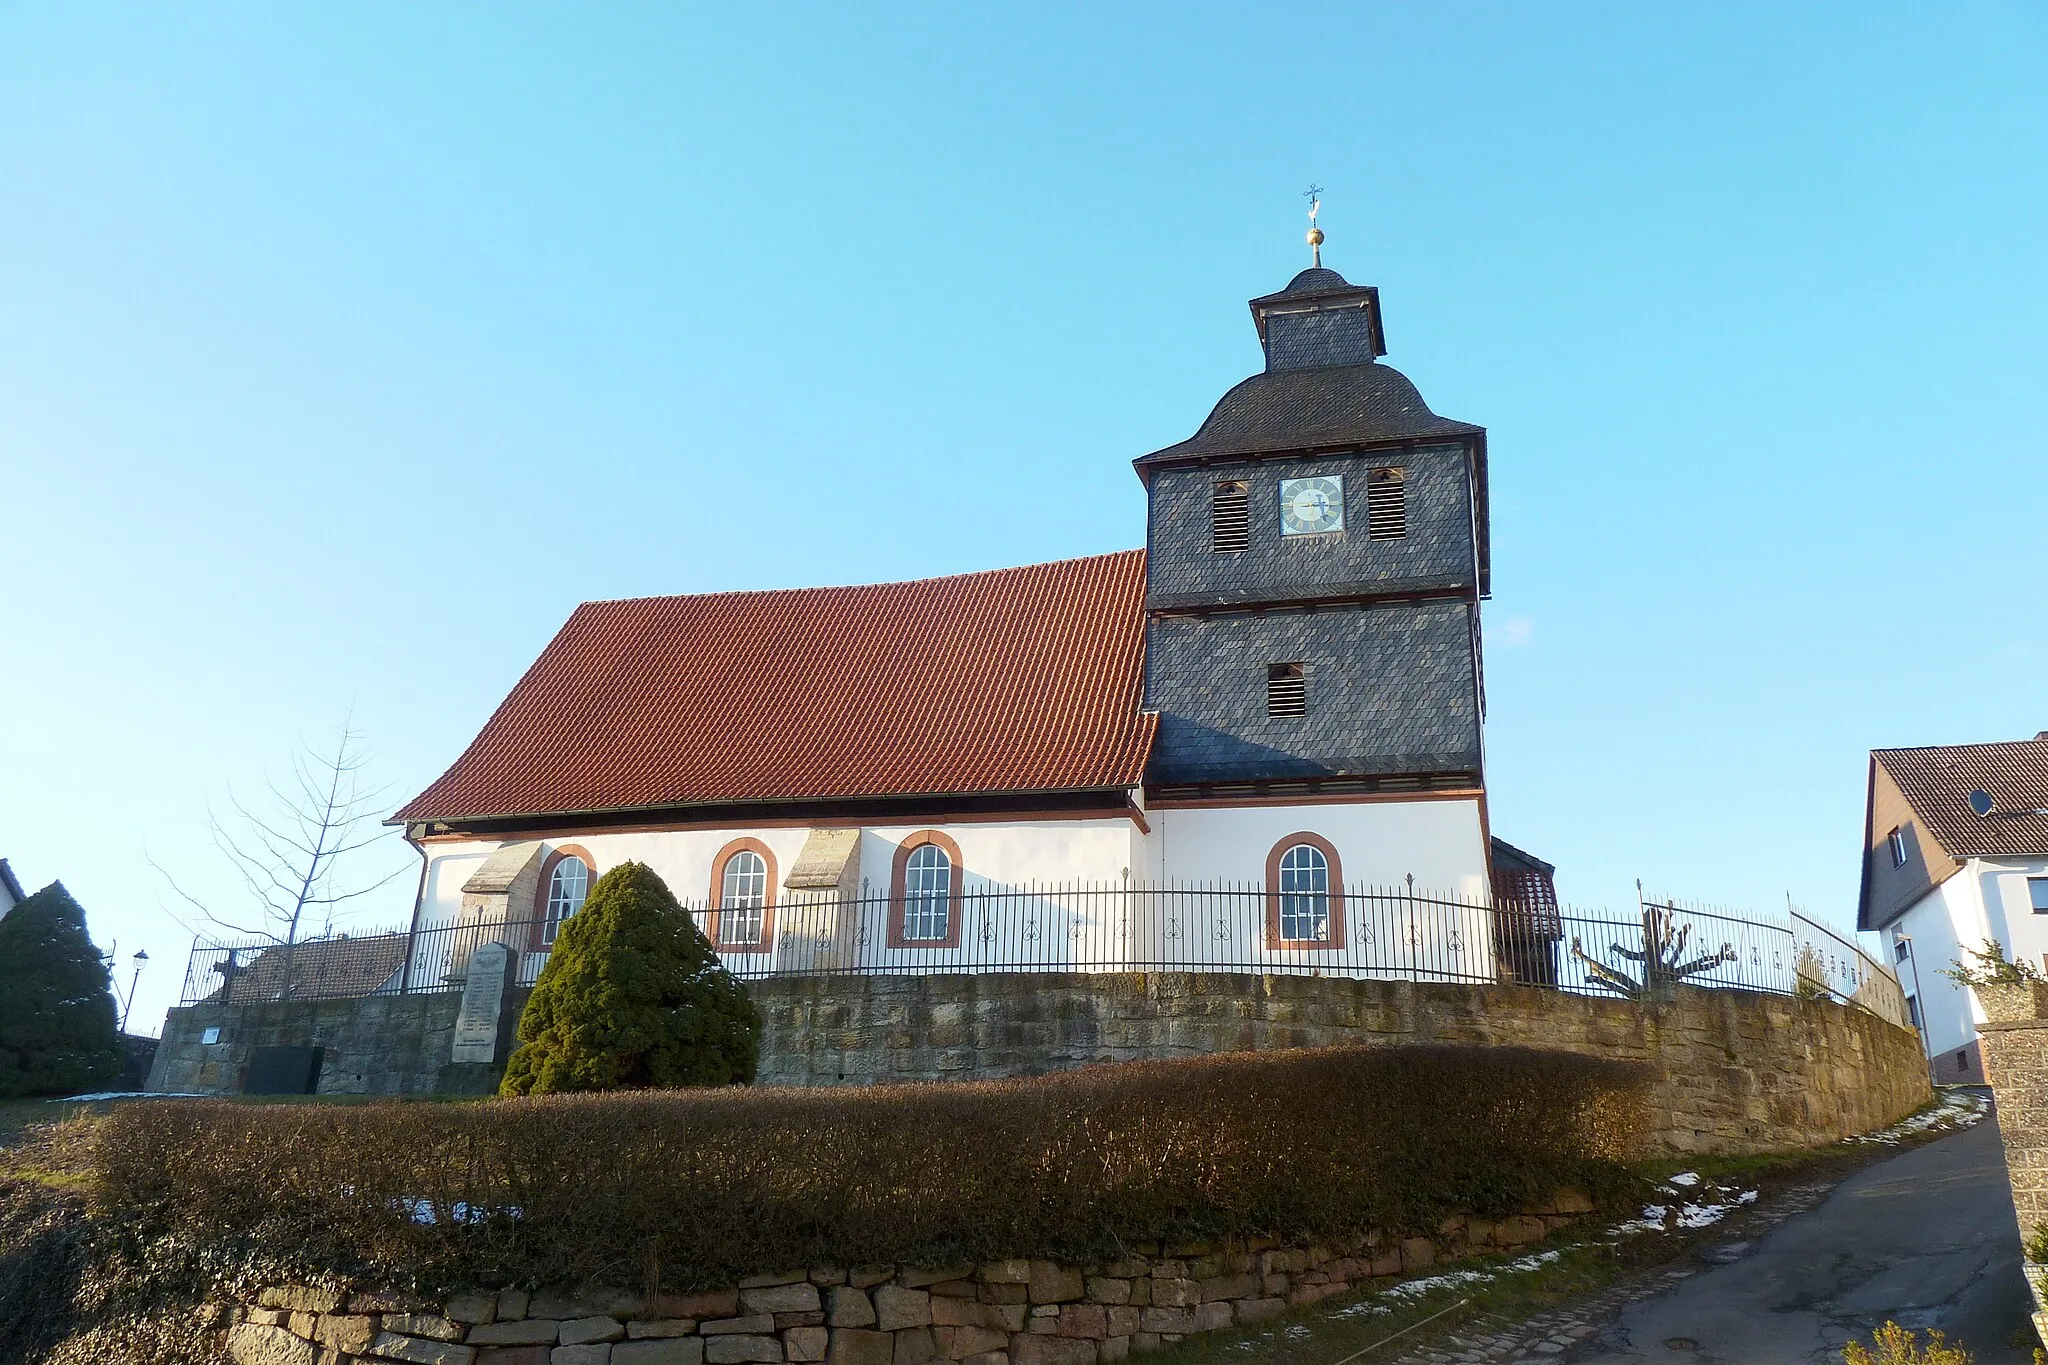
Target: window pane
{"type": "Point", "coordinates": [927, 893]}
{"type": "Point", "coordinates": [567, 886]}
{"type": "Point", "coordinates": [1304, 895]}
{"type": "Point", "coordinates": [2037, 893]}
{"type": "Point", "coordinates": [743, 898]}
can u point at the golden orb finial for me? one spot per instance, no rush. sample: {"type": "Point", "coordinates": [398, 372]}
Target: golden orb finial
{"type": "Point", "coordinates": [1314, 195]}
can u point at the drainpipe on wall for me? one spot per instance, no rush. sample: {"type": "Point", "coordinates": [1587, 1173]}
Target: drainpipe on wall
{"type": "Point", "coordinates": [1919, 996]}
{"type": "Point", "coordinates": [412, 932]}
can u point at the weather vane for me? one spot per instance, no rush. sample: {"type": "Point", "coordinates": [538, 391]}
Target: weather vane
{"type": "Point", "coordinates": [1314, 195]}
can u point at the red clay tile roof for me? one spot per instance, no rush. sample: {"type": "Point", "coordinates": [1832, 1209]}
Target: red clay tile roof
{"type": "Point", "coordinates": [1019, 680]}
{"type": "Point", "coordinates": [1937, 783]}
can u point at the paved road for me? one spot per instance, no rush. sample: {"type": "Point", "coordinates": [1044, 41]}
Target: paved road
{"type": "Point", "coordinates": [1926, 1239]}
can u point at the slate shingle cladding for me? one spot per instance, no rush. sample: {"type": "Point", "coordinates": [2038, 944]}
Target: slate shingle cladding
{"type": "Point", "coordinates": [1435, 556]}
{"type": "Point", "coordinates": [1391, 689]}
{"type": "Point", "coordinates": [1391, 649]}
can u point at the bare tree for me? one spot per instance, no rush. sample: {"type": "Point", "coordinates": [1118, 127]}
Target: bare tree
{"type": "Point", "coordinates": [287, 856]}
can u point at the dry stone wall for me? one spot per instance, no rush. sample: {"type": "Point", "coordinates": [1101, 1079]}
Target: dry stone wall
{"type": "Point", "coordinates": [1737, 1071]}
{"type": "Point", "coordinates": [1015, 1312]}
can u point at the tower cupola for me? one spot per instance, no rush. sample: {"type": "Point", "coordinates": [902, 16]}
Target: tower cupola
{"type": "Point", "coordinates": [1320, 319]}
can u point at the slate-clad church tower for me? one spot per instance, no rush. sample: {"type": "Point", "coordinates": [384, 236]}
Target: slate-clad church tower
{"type": "Point", "coordinates": [1316, 557]}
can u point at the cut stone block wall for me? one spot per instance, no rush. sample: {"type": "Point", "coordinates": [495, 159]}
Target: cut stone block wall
{"type": "Point", "coordinates": [1737, 1071]}
{"type": "Point", "coordinates": [1019, 1312]}
{"type": "Point", "coordinates": [376, 1045]}
{"type": "Point", "coordinates": [2015, 1049]}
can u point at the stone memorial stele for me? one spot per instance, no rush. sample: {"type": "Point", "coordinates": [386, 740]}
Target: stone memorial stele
{"type": "Point", "coordinates": [483, 1000]}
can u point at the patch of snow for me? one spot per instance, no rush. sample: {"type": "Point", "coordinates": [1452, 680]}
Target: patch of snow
{"type": "Point", "coordinates": [1958, 1109]}
{"type": "Point", "coordinates": [127, 1095]}
{"type": "Point", "coordinates": [1456, 1279]}
{"type": "Point", "coordinates": [1684, 1180]}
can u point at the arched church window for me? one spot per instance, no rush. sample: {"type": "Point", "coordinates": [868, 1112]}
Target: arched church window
{"type": "Point", "coordinates": [924, 895]}
{"type": "Point", "coordinates": [927, 893]}
{"type": "Point", "coordinates": [568, 884]}
{"type": "Point", "coordinates": [1304, 894]}
{"type": "Point", "coordinates": [743, 897]}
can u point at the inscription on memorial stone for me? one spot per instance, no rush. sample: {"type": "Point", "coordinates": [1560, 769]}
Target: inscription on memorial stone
{"type": "Point", "coordinates": [483, 1000]}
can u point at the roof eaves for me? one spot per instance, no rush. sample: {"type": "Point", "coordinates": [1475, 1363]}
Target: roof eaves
{"type": "Point", "coordinates": [827, 798]}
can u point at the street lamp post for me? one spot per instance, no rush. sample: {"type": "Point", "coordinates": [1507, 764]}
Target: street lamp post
{"type": "Point", "coordinates": [139, 959]}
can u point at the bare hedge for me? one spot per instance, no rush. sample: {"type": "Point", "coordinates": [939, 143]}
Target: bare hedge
{"type": "Point", "coordinates": [688, 1188]}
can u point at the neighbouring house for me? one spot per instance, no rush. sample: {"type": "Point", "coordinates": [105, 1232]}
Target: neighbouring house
{"type": "Point", "coordinates": [1942, 877]}
{"type": "Point", "coordinates": [317, 968]}
{"type": "Point", "coordinates": [11, 893]}
{"type": "Point", "coordinates": [1276, 704]}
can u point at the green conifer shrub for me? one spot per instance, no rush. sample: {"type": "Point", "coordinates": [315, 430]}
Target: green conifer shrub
{"type": "Point", "coordinates": [57, 1021]}
{"type": "Point", "coordinates": [633, 997]}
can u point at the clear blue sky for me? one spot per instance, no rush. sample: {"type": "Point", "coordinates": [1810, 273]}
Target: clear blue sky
{"type": "Point", "coordinates": [344, 349]}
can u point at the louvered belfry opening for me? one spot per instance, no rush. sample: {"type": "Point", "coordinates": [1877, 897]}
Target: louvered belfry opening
{"type": "Point", "coordinates": [1286, 690]}
{"type": "Point", "coordinates": [1230, 517]}
{"type": "Point", "coordinates": [1386, 504]}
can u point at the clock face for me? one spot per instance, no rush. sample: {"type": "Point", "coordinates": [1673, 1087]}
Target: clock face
{"type": "Point", "coordinates": [1310, 507]}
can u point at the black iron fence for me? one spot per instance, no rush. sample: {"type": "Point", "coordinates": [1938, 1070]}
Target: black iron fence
{"type": "Point", "coordinates": [1367, 932]}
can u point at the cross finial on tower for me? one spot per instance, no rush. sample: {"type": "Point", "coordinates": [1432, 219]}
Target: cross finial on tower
{"type": "Point", "coordinates": [1314, 195]}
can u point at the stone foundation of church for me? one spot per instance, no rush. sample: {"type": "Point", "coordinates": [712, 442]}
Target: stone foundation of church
{"type": "Point", "coordinates": [1737, 1071]}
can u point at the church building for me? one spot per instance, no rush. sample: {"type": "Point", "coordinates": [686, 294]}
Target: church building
{"type": "Point", "coordinates": [1275, 707]}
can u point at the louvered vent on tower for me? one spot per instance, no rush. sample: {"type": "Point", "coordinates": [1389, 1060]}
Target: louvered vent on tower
{"type": "Point", "coordinates": [1230, 517]}
{"type": "Point", "coordinates": [1286, 690]}
{"type": "Point", "coordinates": [1386, 504]}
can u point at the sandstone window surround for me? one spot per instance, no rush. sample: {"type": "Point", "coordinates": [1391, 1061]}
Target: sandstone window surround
{"type": "Point", "coordinates": [743, 882]}
{"type": "Point", "coordinates": [924, 892]}
{"type": "Point", "coordinates": [1304, 894]}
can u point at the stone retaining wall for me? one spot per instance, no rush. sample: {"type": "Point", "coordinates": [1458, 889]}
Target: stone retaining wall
{"type": "Point", "coordinates": [1004, 1313]}
{"type": "Point", "coordinates": [374, 1045]}
{"type": "Point", "coordinates": [1738, 1071]}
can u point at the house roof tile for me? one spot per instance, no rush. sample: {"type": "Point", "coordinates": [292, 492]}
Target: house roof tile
{"type": "Point", "coordinates": [1013, 681]}
{"type": "Point", "coordinates": [1937, 783]}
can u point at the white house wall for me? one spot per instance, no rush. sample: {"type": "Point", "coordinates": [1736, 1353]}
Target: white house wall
{"type": "Point", "coordinates": [996, 855]}
{"type": "Point", "coordinates": [1985, 902]}
{"type": "Point", "coordinates": [2002, 885]}
{"type": "Point", "coordinates": [1379, 843]}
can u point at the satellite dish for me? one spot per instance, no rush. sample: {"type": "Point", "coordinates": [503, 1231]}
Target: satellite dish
{"type": "Point", "coordinates": [1981, 804]}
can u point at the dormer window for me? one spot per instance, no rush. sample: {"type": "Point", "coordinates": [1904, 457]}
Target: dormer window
{"type": "Point", "coordinates": [1896, 841]}
{"type": "Point", "coordinates": [1230, 517]}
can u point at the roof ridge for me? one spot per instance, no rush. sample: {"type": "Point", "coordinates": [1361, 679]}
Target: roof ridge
{"type": "Point", "coordinates": [1974, 744]}
{"type": "Point", "coordinates": [862, 587]}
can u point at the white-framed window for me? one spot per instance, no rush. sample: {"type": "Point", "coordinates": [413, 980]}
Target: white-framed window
{"type": "Point", "coordinates": [568, 884]}
{"type": "Point", "coordinates": [1897, 841]}
{"type": "Point", "coordinates": [2037, 894]}
{"type": "Point", "coordinates": [1902, 948]}
{"type": "Point", "coordinates": [743, 898]}
{"type": "Point", "coordinates": [1913, 1010]}
{"type": "Point", "coordinates": [927, 894]}
{"type": "Point", "coordinates": [1304, 895]}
